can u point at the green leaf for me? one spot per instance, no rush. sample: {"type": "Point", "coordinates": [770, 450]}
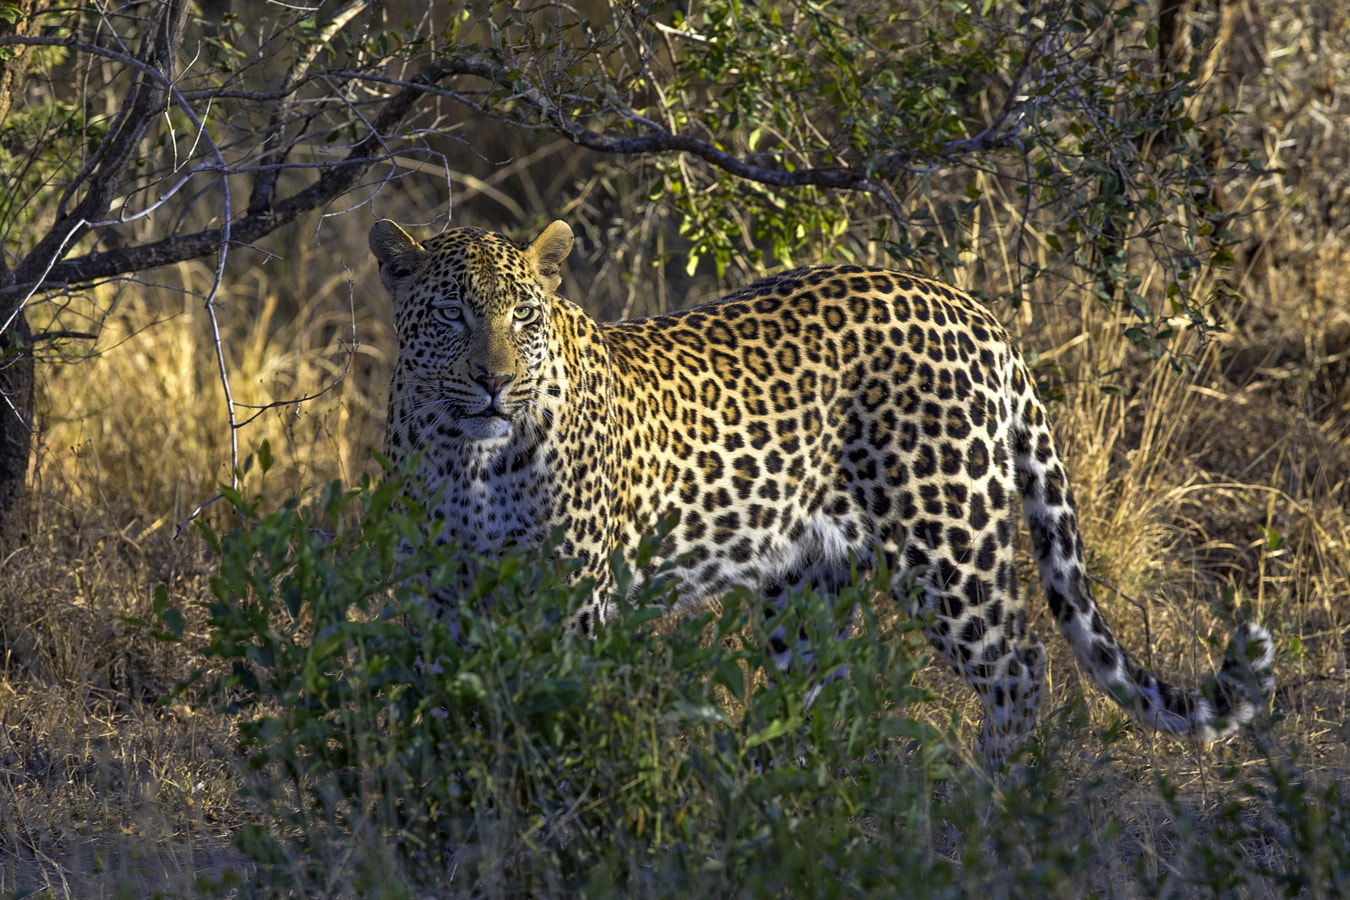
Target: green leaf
{"type": "Point", "coordinates": [208, 534]}
{"type": "Point", "coordinates": [1274, 540]}
{"type": "Point", "coordinates": [771, 732]}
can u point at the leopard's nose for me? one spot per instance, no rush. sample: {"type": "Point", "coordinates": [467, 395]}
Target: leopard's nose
{"type": "Point", "coordinates": [493, 384]}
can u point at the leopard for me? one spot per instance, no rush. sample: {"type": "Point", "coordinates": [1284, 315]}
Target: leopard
{"type": "Point", "coordinates": [820, 422]}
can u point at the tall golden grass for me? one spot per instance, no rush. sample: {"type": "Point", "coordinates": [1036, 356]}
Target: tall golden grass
{"type": "Point", "coordinates": [152, 392]}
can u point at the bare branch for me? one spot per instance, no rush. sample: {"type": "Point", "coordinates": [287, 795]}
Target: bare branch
{"type": "Point", "coordinates": [334, 179]}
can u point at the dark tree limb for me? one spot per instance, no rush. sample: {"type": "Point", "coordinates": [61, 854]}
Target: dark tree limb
{"type": "Point", "coordinates": [16, 431]}
{"type": "Point", "coordinates": [265, 212]}
{"type": "Point", "coordinates": [261, 219]}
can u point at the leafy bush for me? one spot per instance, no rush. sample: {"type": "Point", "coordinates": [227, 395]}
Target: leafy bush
{"type": "Point", "coordinates": [521, 754]}
{"type": "Point", "coordinates": [393, 752]}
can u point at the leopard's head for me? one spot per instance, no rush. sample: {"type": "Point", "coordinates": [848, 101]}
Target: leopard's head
{"type": "Point", "coordinates": [472, 310]}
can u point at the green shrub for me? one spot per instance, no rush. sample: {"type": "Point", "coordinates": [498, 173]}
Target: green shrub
{"type": "Point", "coordinates": [395, 753]}
{"type": "Point", "coordinates": [662, 762]}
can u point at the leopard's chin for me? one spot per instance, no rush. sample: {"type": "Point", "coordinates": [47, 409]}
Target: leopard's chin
{"type": "Point", "coordinates": [488, 425]}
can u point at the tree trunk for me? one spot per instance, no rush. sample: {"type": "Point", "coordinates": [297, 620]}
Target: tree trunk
{"type": "Point", "coordinates": [16, 360]}
{"type": "Point", "coordinates": [16, 431]}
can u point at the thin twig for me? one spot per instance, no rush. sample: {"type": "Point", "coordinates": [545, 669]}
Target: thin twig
{"type": "Point", "coordinates": [62, 336]}
{"type": "Point", "coordinates": [1142, 607]}
{"type": "Point", "coordinates": [352, 349]}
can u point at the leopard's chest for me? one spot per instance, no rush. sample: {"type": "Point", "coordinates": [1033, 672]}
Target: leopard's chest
{"type": "Point", "coordinates": [487, 497]}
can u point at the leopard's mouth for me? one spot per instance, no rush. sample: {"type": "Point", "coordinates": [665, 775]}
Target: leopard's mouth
{"type": "Point", "coordinates": [486, 425]}
{"type": "Point", "coordinates": [489, 413]}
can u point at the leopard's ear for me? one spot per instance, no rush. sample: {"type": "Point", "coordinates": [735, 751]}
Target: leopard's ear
{"type": "Point", "coordinates": [398, 254]}
{"type": "Point", "coordinates": [547, 253]}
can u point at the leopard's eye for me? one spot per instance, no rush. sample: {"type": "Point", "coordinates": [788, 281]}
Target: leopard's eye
{"type": "Point", "coordinates": [448, 314]}
{"type": "Point", "coordinates": [525, 314]}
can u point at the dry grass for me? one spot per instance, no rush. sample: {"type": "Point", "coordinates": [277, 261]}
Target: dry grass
{"type": "Point", "coordinates": [1237, 475]}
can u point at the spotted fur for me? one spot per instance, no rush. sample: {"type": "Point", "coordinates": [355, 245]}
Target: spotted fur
{"type": "Point", "coordinates": [818, 416]}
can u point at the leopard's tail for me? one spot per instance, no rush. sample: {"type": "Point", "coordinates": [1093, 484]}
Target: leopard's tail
{"type": "Point", "coordinates": [1235, 695]}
